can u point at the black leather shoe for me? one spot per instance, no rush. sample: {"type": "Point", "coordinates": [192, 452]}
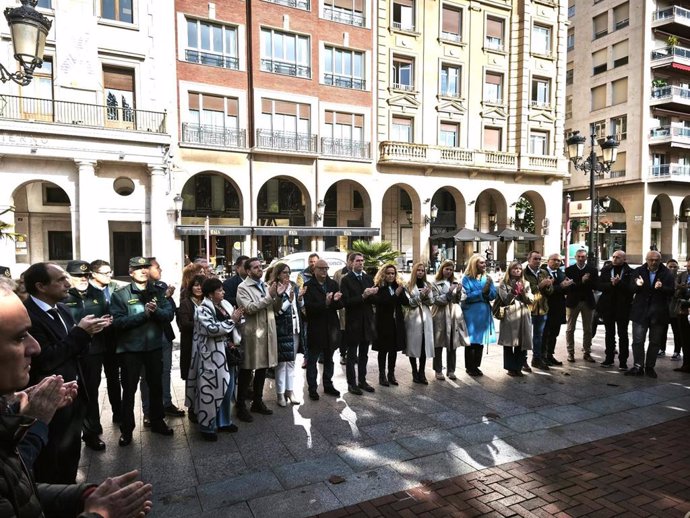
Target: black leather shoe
{"type": "Point", "coordinates": [392, 380]}
{"type": "Point", "coordinates": [93, 442]}
{"type": "Point", "coordinates": [635, 371]}
{"type": "Point", "coordinates": [243, 414]}
{"type": "Point", "coordinates": [383, 381]}
{"type": "Point", "coordinates": [526, 367]}
{"type": "Point", "coordinates": [173, 411]}
{"type": "Point", "coordinates": [147, 422]}
{"type": "Point", "coordinates": [125, 439]}
{"type": "Point", "coordinates": [353, 389]}
{"type": "Point", "coordinates": [231, 428]}
{"type": "Point", "coordinates": [552, 361]}
{"type": "Point", "coordinates": [366, 387]}
{"type": "Point", "coordinates": [313, 395]}
{"type": "Point", "coordinates": [331, 391]}
{"type": "Point", "coordinates": [650, 372]}
{"type": "Point", "coordinates": [260, 407]}
{"type": "Point", "coordinates": [540, 364]}
{"type": "Point", "coordinates": [161, 428]}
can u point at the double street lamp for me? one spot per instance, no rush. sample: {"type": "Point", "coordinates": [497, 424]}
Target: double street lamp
{"type": "Point", "coordinates": [592, 166]}
{"type": "Point", "coordinates": [29, 30]}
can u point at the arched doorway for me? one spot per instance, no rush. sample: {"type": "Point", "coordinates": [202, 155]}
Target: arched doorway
{"type": "Point", "coordinates": [347, 204]}
{"type": "Point", "coordinates": [43, 220]}
{"type": "Point", "coordinates": [401, 213]}
{"type": "Point", "coordinates": [490, 214]}
{"type": "Point", "coordinates": [530, 217]}
{"type": "Point", "coordinates": [213, 195]}
{"type": "Point", "coordinates": [662, 224]}
{"type": "Point", "coordinates": [612, 227]}
{"type": "Point", "coordinates": [450, 216]}
{"type": "Point", "coordinates": [282, 202]}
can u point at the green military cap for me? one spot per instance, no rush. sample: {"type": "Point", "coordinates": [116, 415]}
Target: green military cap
{"type": "Point", "coordinates": [139, 262]}
{"type": "Point", "coordinates": [78, 268]}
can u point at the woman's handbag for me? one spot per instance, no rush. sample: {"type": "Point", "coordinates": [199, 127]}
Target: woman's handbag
{"type": "Point", "coordinates": [497, 310]}
{"type": "Point", "coordinates": [233, 354]}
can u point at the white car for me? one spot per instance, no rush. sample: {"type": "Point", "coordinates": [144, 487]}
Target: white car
{"type": "Point", "coordinates": [300, 260]}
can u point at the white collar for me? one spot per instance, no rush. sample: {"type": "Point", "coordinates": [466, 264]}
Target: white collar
{"type": "Point", "coordinates": [43, 305]}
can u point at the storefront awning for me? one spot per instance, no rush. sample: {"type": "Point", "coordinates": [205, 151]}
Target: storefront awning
{"type": "Point", "coordinates": [214, 230]}
{"type": "Point", "coordinates": [228, 230]}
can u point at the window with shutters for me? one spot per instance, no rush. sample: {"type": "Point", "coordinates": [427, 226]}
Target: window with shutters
{"type": "Point", "coordinates": [619, 91]}
{"type": "Point", "coordinates": [493, 138]}
{"type": "Point", "coordinates": [344, 68]}
{"type": "Point", "coordinates": [598, 94]}
{"type": "Point", "coordinates": [601, 25]}
{"type": "Point", "coordinates": [212, 120]}
{"type": "Point", "coordinates": [493, 88]}
{"type": "Point", "coordinates": [494, 29]}
{"type": "Point", "coordinates": [598, 128]}
{"type": "Point", "coordinates": [450, 80]}
{"type": "Point", "coordinates": [571, 39]}
{"type": "Point", "coordinates": [569, 75]}
{"type": "Point", "coordinates": [599, 61]}
{"type": "Point", "coordinates": [619, 127]}
{"type": "Point", "coordinates": [350, 12]}
{"type": "Point", "coordinates": [539, 143]}
{"type": "Point", "coordinates": [285, 53]}
{"type": "Point", "coordinates": [211, 44]}
{"type": "Point", "coordinates": [403, 15]}
{"type": "Point", "coordinates": [285, 125]}
{"type": "Point", "coordinates": [571, 9]}
{"type": "Point", "coordinates": [402, 129]}
{"type": "Point", "coordinates": [569, 107]}
{"type": "Point", "coordinates": [621, 16]}
{"type": "Point", "coordinates": [36, 101]}
{"type": "Point", "coordinates": [118, 91]}
{"type": "Point", "coordinates": [541, 40]}
{"type": "Point", "coordinates": [59, 245]}
{"type": "Point", "coordinates": [449, 134]}
{"type": "Point", "coordinates": [620, 54]}
{"type": "Point", "coordinates": [402, 73]}
{"type": "Point", "coordinates": [451, 24]}
{"type": "Point", "coordinates": [541, 93]}
{"type": "Point", "coordinates": [344, 135]}
{"type": "Point", "coordinates": [118, 10]}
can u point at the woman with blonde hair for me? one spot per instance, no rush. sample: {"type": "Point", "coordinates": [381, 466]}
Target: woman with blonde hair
{"type": "Point", "coordinates": [515, 334]}
{"type": "Point", "coordinates": [478, 291]}
{"type": "Point", "coordinates": [390, 322]}
{"type": "Point", "coordinates": [444, 312]}
{"type": "Point", "coordinates": [419, 329]}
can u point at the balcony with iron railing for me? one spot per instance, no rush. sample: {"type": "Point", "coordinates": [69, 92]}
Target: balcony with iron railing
{"type": "Point", "coordinates": [674, 135]}
{"type": "Point", "coordinates": [405, 87]}
{"type": "Point", "coordinates": [353, 83]}
{"type": "Point", "coordinates": [403, 26]}
{"type": "Point", "coordinates": [491, 43]}
{"type": "Point", "coordinates": [673, 20]}
{"type": "Point", "coordinates": [679, 172]}
{"type": "Point", "coordinates": [539, 105]}
{"type": "Point", "coordinates": [671, 97]}
{"type": "Point", "coordinates": [297, 4]}
{"type": "Point", "coordinates": [453, 37]}
{"type": "Point", "coordinates": [214, 60]}
{"type": "Point", "coordinates": [343, 16]}
{"type": "Point", "coordinates": [285, 68]}
{"type": "Point", "coordinates": [51, 111]}
{"type": "Point", "coordinates": [213, 136]}
{"type": "Point", "coordinates": [286, 141]}
{"type": "Point", "coordinates": [357, 149]}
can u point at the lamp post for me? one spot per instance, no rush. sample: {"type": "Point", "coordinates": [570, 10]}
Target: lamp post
{"type": "Point", "coordinates": [29, 30]}
{"type": "Point", "coordinates": [592, 166]}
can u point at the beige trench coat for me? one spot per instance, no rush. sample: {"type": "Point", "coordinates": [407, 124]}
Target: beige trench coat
{"type": "Point", "coordinates": [259, 333]}
{"type": "Point", "coordinates": [516, 326]}
{"type": "Point", "coordinates": [449, 324]}
{"type": "Point", "coordinates": [419, 324]}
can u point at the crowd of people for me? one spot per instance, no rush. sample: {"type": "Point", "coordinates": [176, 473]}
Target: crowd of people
{"type": "Point", "coordinates": [76, 323]}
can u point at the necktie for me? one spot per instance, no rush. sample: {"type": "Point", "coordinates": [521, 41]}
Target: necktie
{"type": "Point", "coordinates": [53, 312]}
{"type": "Point", "coordinates": [359, 277]}
{"type": "Point", "coordinates": [263, 290]}
{"type": "Point", "coordinates": [106, 293]}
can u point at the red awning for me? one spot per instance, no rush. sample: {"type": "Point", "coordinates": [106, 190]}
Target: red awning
{"type": "Point", "coordinates": [678, 66]}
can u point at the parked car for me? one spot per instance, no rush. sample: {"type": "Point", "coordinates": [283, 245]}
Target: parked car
{"type": "Point", "coordinates": [300, 260]}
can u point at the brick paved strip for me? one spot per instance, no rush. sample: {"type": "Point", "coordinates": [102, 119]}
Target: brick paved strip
{"type": "Point", "coordinates": [641, 473]}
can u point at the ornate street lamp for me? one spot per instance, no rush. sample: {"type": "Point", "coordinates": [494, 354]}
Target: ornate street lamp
{"type": "Point", "coordinates": [29, 30]}
{"type": "Point", "coordinates": [592, 166]}
{"type": "Point", "coordinates": [320, 209]}
{"type": "Point", "coordinates": [432, 217]}
{"type": "Point", "coordinates": [179, 202]}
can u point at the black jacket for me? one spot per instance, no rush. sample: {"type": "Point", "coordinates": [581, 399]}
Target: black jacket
{"type": "Point", "coordinates": [390, 322]}
{"type": "Point", "coordinates": [650, 305]}
{"type": "Point", "coordinates": [581, 291]}
{"type": "Point", "coordinates": [230, 287]}
{"type": "Point", "coordinates": [614, 302]}
{"type": "Point", "coordinates": [556, 298]}
{"type": "Point", "coordinates": [359, 312]}
{"type": "Point", "coordinates": [90, 302]}
{"type": "Point", "coordinates": [323, 326]}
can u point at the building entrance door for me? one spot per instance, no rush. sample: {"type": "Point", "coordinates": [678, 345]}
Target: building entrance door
{"type": "Point", "coordinates": [125, 245]}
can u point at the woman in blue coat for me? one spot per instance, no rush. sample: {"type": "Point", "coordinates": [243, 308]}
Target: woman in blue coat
{"type": "Point", "coordinates": [478, 291]}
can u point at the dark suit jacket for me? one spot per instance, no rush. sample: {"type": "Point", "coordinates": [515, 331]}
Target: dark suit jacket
{"type": "Point", "coordinates": [581, 291]}
{"type": "Point", "coordinates": [90, 302]}
{"type": "Point", "coordinates": [650, 305]}
{"type": "Point", "coordinates": [556, 299]}
{"type": "Point", "coordinates": [390, 322]}
{"type": "Point", "coordinates": [60, 350]}
{"type": "Point", "coordinates": [614, 302]}
{"type": "Point", "coordinates": [230, 287]}
{"type": "Point", "coordinates": [359, 312]}
{"type": "Point", "coordinates": [323, 326]}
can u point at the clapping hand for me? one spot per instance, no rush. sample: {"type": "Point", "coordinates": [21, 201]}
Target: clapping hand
{"type": "Point", "coordinates": [615, 280]}
{"type": "Point", "coordinates": [120, 497]}
{"type": "Point", "coordinates": [369, 291]}
{"type": "Point", "coordinates": [337, 296]}
{"type": "Point", "coordinates": [658, 285]}
{"type": "Point", "coordinates": [42, 400]}
{"type": "Point", "coordinates": [639, 281]}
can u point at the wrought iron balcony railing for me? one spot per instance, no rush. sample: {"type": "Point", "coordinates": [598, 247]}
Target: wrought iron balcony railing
{"type": "Point", "coordinates": [344, 81]}
{"type": "Point", "coordinates": [215, 136]}
{"type": "Point", "coordinates": [214, 60]}
{"type": "Point", "coordinates": [285, 141]}
{"type": "Point", "coordinates": [345, 148]}
{"type": "Point", "coordinates": [297, 4]}
{"type": "Point", "coordinates": [341, 16]}
{"type": "Point", "coordinates": [288, 69]}
{"type": "Point", "coordinates": [81, 114]}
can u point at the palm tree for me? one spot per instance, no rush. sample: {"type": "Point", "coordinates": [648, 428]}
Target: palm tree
{"type": "Point", "coordinates": [5, 232]}
{"type": "Point", "coordinates": [375, 254]}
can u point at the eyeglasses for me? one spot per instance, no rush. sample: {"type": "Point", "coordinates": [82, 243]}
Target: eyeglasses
{"type": "Point", "coordinates": [104, 273]}
{"type": "Point", "coordinates": [80, 275]}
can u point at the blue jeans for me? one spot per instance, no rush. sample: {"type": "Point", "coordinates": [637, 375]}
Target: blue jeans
{"type": "Point", "coordinates": [312, 369]}
{"type": "Point", "coordinates": [538, 323]}
{"type": "Point", "coordinates": [657, 335]}
{"type": "Point", "coordinates": [165, 380]}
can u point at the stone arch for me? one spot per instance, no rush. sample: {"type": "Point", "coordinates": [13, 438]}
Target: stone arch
{"type": "Point", "coordinates": [347, 204]}
{"type": "Point", "coordinates": [220, 192]}
{"type": "Point", "coordinates": [662, 218]}
{"type": "Point", "coordinates": [400, 221]}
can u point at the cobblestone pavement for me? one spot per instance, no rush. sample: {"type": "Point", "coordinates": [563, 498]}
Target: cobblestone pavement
{"type": "Point", "coordinates": [401, 438]}
{"type": "Point", "coordinates": [640, 473]}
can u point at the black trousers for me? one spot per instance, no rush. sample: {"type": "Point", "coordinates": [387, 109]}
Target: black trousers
{"type": "Point", "coordinates": [612, 324]}
{"type": "Point", "coordinates": [473, 356]}
{"type": "Point", "coordinates": [111, 367]}
{"type": "Point", "coordinates": [552, 329]}
{"type": "Point", "coordinates": [392, 356]}
{"type": "Point", "coordinates": [131, 365]}
{"type": "Point", "coordinates": [450, 359]}
{"type": "Point", "coordinates": [91, 368]}
{"type": "Point", "coordinates": [684, 332]}
{"type": "Point", "coordinates": [59, 458]}
{"type": "Point", "coordinates": [422, 364]}
{"type": "Point", "coordinates": [675, 326]}
{"type": "Point", "coordinates": [358, 355]}
{"type": "Point", "coordinates": [245, 379]}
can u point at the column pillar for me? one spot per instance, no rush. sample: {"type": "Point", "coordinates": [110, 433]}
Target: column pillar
{"type": "Point", "coordinates": [90, 241]}
{"type": "Point", "coordinates": [160, 229]}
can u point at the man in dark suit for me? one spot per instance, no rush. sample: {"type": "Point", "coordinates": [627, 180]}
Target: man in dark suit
{"type": "Point", "coordinates": [579, 299]}
{"type": "Point", "coordinates": [614, 308]}
{"type": "Point", "coordinates": [62, 346]}
{"type": "Point", "coordinates": [357, 288]}
{"type": "Point", "coordinates": [231, 284]}
{"type": "Point", "coordinates": [322, 301]}
{"type": "Point", "coordinates": [556, 314]}
{"type": "Point", "coordinates": [652, 285]}
{"type": "Point", "coordinates": [338, 277]}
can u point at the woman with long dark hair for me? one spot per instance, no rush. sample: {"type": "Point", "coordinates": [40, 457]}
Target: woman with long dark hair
{"type": "Point", "coordinates": [390, 322]}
